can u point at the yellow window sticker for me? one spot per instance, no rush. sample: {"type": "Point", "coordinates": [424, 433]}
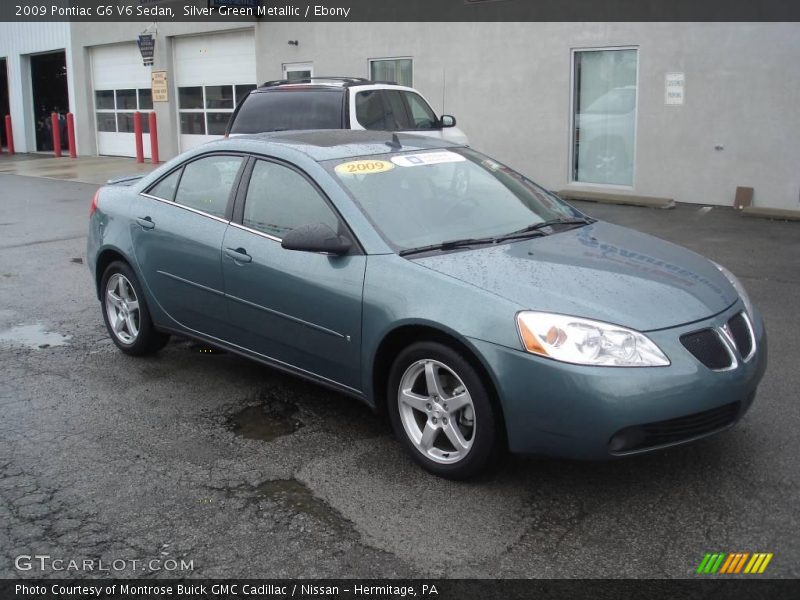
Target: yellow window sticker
{"type": "Point", "coordinates": [364, 167]}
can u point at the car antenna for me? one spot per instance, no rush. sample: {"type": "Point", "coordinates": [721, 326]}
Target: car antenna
{"type": "Point", "coordinates": [395, 143]}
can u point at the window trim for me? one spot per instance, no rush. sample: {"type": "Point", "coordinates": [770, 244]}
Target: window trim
{"type": "Point", "coordinates": [237, 218]}
{"type": "Point", "coordinates": [380, 58]}
{"type": "Point", "coordinates": [571, 180]}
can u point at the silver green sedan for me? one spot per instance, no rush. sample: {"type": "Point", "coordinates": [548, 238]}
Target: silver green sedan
{"type": "Point", "coordinates": [435, 284]}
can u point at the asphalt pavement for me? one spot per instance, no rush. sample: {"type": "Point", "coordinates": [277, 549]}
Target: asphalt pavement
{"type": "Point", "coordinates": [237, 470]}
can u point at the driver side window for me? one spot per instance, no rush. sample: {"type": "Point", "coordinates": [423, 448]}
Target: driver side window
{"type": "Point", "coordinates": [280, 199]}
{"type": "Point", "coordinates": [422, 117]}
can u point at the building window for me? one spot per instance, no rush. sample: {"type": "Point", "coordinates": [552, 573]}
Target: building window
{"type": "Point", "coordinates": [205, 110]}
{"type": "Point", "coordinates": [298, 71]}
{"type": "Point", "coordinates": [398, 70]}
{"type": "Point", "coordinates": [604, 119]}
{"type": "Point", "coordinates": [115, 108]}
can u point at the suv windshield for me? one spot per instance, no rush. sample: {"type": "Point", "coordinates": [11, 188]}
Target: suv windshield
{"type": "Point", "coordinates": [425, 198]}
{"type": "Point", "coordinates": [280, 110]}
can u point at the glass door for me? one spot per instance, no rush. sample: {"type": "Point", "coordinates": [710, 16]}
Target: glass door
{"type": "Point", "coordinates": [604, 116]}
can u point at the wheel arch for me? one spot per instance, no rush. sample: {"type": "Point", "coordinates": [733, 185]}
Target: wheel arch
{"type": "Point", "coordinates": [406, 334]}
{"type": "Point", "coordinates": [105, 257]}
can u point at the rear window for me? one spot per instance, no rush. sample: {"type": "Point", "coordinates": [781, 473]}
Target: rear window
{"type": "Point", "coordinates": [284, 110]}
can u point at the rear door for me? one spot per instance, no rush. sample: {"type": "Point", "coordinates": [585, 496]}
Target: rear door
{"type": "Point", "coordinates": [300, 309]}
{"type": "Point", "coordinates": [178, 229]}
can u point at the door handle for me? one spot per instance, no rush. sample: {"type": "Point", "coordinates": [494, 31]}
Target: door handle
{"type": "Point", "coordinates": [145, 222]}
{"type": "Point", "coordinates": [240, 255]}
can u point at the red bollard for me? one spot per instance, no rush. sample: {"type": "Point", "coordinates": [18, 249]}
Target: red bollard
{"type": "Point", "coordinates": [151, 120]}
{"type": "Point", "coordinates": [73, 153]}
{"type": "Point", "coordinates": [56, 134]}
{"type": "Point", "coordinates": [9, 135]}
{"type": "Point", "coordinates": [137, 133]}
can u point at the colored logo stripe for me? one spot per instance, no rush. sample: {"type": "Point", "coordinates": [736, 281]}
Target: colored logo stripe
{"type": "Point", "coordinates": [711, 563]}
{"type": "Point", "coordinates": [758, 563]}
{"type": "Point", "coordinates": [734, 562]}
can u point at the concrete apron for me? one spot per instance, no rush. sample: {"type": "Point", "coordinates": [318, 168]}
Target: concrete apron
{"type": "Point", "coordinates": [85, 169]}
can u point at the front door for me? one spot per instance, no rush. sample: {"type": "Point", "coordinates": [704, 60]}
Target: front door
{"type": "Point", "coordinates": [177, 236]}
{"type": "Point", "coordinates": [297, 308]}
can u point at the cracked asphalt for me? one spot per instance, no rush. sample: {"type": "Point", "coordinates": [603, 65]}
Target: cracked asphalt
{"type": "Point", "coordinates": [245, 472]}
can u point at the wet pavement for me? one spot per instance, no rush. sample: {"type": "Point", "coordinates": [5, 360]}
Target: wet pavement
{"type": "Point", "coordinates": [200, 456]}
{"type": "Point", "coordinates": [85, 169]}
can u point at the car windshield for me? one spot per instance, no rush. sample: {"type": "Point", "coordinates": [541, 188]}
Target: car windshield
{"type": "Point", "coordinates": [417, 199]}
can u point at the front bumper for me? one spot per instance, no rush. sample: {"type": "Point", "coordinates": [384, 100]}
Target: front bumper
{"type": "Point", "coordinates": [574, 411]}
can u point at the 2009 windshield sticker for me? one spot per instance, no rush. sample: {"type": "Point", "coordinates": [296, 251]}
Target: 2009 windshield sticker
{"type": "Point", "coordinates": [363, 167]}
{"type": "Point", "coordinates": [427, 158]}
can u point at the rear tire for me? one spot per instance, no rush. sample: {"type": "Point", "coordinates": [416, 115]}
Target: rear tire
{"type": "Point", "coordinates": [441, 410]}
{"type": "Point", "coordinates": [125, 312]}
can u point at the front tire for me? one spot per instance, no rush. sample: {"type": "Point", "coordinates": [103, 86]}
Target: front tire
{"type": "Point", "coordinates": [125, 312]}
{"type": "Point", "coordinates": [441, 410]}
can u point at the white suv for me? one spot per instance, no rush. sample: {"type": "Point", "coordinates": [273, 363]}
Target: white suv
{"type": "Point", "coordinates": [340, 103]}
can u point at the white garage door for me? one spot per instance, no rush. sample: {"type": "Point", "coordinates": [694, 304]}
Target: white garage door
{"type": "Point", "coordinates": [121, 87]}
{"type": "Point", "coordinates": [212, 73]}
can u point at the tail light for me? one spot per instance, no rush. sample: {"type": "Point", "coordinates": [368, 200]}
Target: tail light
{"type": "Point", "coordinates": [93, 206]}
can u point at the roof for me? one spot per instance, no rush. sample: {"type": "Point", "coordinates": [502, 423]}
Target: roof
{"type": "Point", "coordinates": [329, 144]}
{"type": "Point", "coordinates": [316, 82]}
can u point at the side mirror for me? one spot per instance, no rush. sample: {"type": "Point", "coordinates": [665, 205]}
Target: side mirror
{"type": "Point", "coordinates": [447, 121]}
{"type": "Point", "coordinates": [317, 237]}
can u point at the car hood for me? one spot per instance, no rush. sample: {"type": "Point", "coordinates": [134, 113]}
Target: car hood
{"type": "Point", "coordinates": [600, 271]}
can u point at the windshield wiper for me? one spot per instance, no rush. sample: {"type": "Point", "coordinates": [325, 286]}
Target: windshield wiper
{"type": "Point", "coordinates": [538, 227]}
{"type": "Point", "coordinates": [535, 230]}
{"type": "Point", "coordinates": [448, 245]}
{"type": "Point", "coordinates": [467, 242]}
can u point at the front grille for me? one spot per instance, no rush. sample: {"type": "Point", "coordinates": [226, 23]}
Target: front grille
{"type": "Point", "coordinates": [662, 433]}
{"type": "Point", "coordinates": [740, 331]}
{"type": "Point", "coordinates": [707, 347]}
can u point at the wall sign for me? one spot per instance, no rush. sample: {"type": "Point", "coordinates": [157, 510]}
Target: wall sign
{"type": "Point", "coordinates": [147, 46]}
{"type": "Point", "coordinates": [158, 84]}
{"type": "Point", "coordinates": [674, 89]}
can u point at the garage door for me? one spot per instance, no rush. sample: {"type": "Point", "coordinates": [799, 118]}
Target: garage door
{"type": "Point", "coordinates": [212, 72]}
{"type": "Point", "coordinates": [121, 87]}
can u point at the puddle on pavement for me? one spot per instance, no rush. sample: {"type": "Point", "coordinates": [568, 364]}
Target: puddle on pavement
{"type": "Point", "coordinates": [295, 497]}
{"type": "Point", "coordinates": [266, 422]}
{"type": "Point", "coordinates": [33, 336]}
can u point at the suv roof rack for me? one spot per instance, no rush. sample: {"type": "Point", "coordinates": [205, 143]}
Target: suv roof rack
{"type": "Point", "coordinates": [344, 81]}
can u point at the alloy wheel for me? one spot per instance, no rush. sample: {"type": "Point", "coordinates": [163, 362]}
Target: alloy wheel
{"type": "Point", "coordinates": [122, 308]}
{"type": "Point", "coordinates": [436, 411]}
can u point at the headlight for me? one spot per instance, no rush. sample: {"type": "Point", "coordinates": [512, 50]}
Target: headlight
{"type": "Point", "coordinates": [737, 285]}
{"type": "Point", "coordinates": [585, 342]}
